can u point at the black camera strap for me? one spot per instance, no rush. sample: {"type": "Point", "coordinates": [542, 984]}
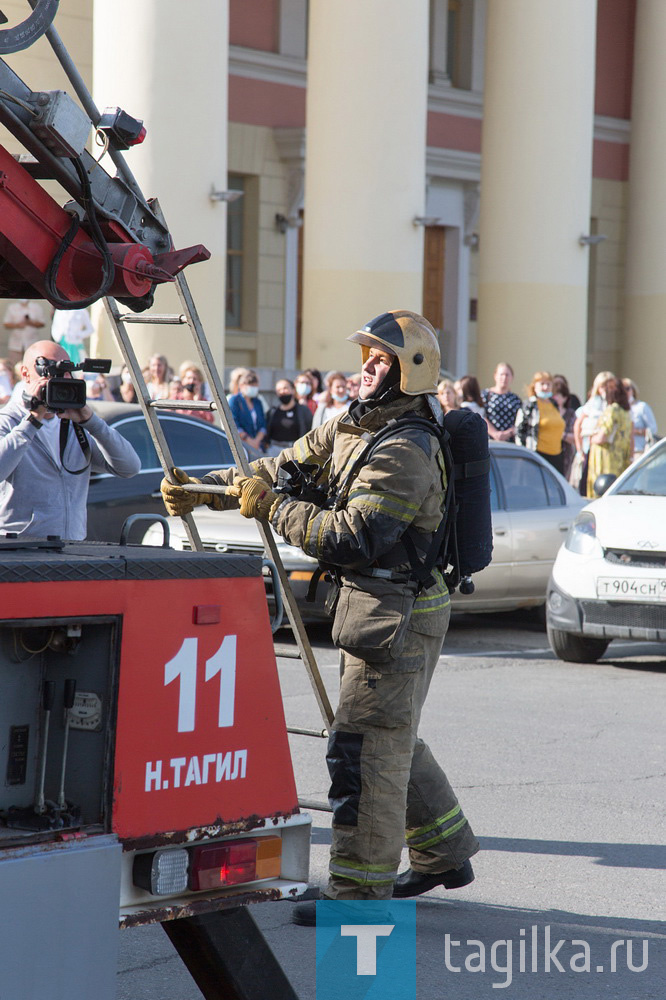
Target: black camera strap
{"type": "Point", "coordinates": [83, 442]}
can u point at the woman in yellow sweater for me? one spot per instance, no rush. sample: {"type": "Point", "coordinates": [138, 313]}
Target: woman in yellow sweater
{"type": "Point", "coordinates": [539, 425]}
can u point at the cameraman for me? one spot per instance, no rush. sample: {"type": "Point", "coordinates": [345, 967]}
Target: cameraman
{"type": "Point", "coordinates": [44, 476]}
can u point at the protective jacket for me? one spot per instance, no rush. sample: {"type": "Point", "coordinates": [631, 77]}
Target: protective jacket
{"type": "Point", "coordinates": [403, 484]}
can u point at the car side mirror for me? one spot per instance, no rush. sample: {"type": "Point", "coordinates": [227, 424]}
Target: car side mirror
{"type": "Point", "coordinates": [603, 482]}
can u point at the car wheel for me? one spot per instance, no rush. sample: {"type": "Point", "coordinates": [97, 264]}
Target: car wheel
{"type": "Point", "coordinates": [576, 648]}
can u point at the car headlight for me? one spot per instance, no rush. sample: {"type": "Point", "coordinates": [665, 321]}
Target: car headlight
{"type": "Point", "coordinates": [582, 536]}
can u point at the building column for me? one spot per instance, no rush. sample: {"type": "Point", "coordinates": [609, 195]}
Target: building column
{"type": "Point", "coordinates": [536, 180]}
{"type": "Point", "coordinates": [170, 69]}
{"type": "Point", "coordinates": [365, 170]}
{"type": "Point", "coordinates": [644, 351]}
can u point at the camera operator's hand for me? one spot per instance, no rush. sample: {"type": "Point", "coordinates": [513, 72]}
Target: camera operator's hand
{"type": "Point", "coordinates": [76, 416]}
{"type": "Point", "coordinates": [37, 390]}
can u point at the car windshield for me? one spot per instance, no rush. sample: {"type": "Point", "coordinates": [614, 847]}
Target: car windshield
{"type": "Point", "coordinates": [648, 478]}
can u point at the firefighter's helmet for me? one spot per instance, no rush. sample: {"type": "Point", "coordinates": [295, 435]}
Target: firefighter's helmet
{"type": "Point", "coordinates": [414, 342]}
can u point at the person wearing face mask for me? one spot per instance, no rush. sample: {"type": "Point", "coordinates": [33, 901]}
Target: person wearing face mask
{"type": "Point", "coordinates": [190, 388]}
{"type": "Point", "coordinates": [539, 424]}
{"type": "Point", "coordinates": [335, 399]}
{"type": "Point", "coordinates": [24, 320]}
{"type": "Point", "coordinates": [289, 420]}
{"type": "Point", "coordinates": [125, 392]}
{"type": "Point", "coordinates": [305, 392]}
{"type": "Point", "coordinates": [386, 786]}
{"type": "Point", "coordinates": [248, 413]}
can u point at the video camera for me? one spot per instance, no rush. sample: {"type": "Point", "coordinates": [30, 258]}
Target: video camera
{"type": "Point", "coordinates": [62, 393]}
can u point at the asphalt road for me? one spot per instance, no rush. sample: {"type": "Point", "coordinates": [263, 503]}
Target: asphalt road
{"type": "Point", "coordinates": [560, 769]}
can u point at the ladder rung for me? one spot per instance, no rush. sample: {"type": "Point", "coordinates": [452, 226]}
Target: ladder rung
{"type": "Point", "coordinates": [205, 488]}
{"type": "Point", "coordinates": [289, 652]}
{"type": "Point", "coordinates": [321, 733]}
{"type": "Point", "coordinates": [182, 404]}
{"type": "Point", "coordinates": [160, 319]}
{"type": "Point", "coordinates": [316, 806]}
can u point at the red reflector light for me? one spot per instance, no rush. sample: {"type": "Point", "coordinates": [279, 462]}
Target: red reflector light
{"type": "Point", "coordinates": [206, 614]}
{"type": "Point", "coordinates": [139, 139]}
{"type": "Point", "coordinates": [223, 864]}
{"type": "Point", "coordinates": [235, 862]}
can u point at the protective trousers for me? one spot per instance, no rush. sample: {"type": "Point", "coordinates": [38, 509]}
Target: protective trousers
{"type": "Point", "coordinates": [385, 782]}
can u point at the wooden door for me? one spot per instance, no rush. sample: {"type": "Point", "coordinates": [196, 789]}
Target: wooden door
{"type": "Point", "coordinates": [433, 276]}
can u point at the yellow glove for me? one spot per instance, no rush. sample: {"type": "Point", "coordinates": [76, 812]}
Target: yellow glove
{"type": "Point", "coordinates": [178, 501]}
{"type": "Point", "coordinates": [256, 497]}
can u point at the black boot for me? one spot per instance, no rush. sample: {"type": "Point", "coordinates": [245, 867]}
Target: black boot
{"type": "Point", "coordinates": [305, 914]}
{"type": "Point", "coordinates": [412, 883]}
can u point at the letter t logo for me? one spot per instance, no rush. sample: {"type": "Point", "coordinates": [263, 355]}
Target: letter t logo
{"type": "Point", "coordinates": [366, 944]}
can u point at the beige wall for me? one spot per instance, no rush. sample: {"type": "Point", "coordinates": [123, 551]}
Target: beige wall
{"type": "Point", "coordinates": [365, 169]}
{"type": "Point", "coordinates": [253, 153]}
{"type": "Point", "coordinates": [176, 81]}
{"type": "Point", "coordinates": [536, 186]}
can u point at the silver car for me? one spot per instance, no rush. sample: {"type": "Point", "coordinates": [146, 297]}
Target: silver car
{"type": "Point", "coordinates": [532, 508]}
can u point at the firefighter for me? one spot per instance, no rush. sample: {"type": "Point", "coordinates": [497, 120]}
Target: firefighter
{"type": "Point", "coordinates": [385, 782]}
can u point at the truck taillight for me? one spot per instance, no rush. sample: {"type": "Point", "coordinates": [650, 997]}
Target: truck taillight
{"type": "Point", "coordinates": [162, 873]}
{"type": "Point", "coordinates": [220, 865]}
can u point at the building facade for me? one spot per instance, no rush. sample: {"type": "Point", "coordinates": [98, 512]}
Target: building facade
{"type": "Point", "coordinates": [495, 164]}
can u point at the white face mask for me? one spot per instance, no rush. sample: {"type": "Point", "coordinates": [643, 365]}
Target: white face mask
{"type": "Point", "coordinates": [251, 391]}
{"type": "Point", "coordinates": [302, 388]}
{"type": "Point", "coordinates": [126, 378]}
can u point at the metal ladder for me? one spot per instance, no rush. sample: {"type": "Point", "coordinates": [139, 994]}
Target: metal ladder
{"type": "Point", "coordinates": [189, 317]}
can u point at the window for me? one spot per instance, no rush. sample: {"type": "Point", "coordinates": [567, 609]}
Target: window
{"type": "Point", "coordinates": [555, 492]}
{"type": "Point", "coordinates": [136, 432]}
{"type": "Point", "coordinates": [191, 444]}
{"type": "Point", "coordinates": [195, 444]}
{"type": "Point", "coordinates": [528, 486]}
{"type": "Point", "coordinates": [649, 477]}
{"type": "Point", "coordinates": [524, 487]}
{"type": "Point", "coordinates": [235, 251]}
{"type": "Point", "coordinates": [453, 41]}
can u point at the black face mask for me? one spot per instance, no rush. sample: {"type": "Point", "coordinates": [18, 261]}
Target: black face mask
{"type": "Point", "coordinates": [285, 397]}
{"type": "Point", "coordinates": [190, 387]}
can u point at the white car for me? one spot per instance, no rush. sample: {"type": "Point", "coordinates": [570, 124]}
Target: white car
{"type": "Point", "coordinates": [532, 506]}
{"type": "Point", "coordinates": [609, 578]}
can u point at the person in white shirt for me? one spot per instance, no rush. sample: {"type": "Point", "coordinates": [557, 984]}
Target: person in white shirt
{"type": "Point", "coordinates": [642, 417]}
{"type": "Point", "coordinates": [24, 320]}
{"type": "Point", "coordinates": [69, 328]}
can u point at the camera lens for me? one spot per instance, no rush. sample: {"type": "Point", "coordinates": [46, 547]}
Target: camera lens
{"type": "Point", "coordinates": [62, 394]}
{"type": "Point", "coordinates": [65, 393]}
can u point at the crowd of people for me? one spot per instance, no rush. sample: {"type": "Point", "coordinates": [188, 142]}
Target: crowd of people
{"type": "Point", "coordinates": [581, 440]}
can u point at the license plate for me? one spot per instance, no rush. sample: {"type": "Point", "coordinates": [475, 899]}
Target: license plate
{"type": "Point", "coordinates": [631, 588]}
